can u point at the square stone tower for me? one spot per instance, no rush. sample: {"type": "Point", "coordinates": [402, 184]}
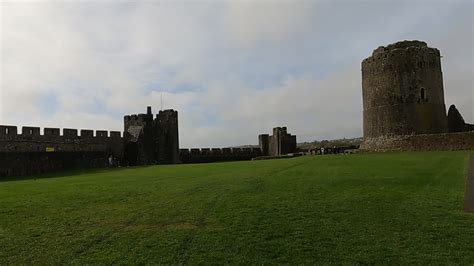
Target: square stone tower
{"type": "Point", "coordinates": [280, 143]}
{"type": "Point", "coordinates": [166, 137]}
{"type": "Point", "coordinates": [151, 141]}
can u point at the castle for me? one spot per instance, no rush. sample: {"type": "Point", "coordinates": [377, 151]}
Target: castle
{"type": "Point", "coordinates": [146, 140]}
{"type": "Point", "coordinates": [403, 109]}
{"type": "Point", "coordinates": [402, 91]}
{"type": "Point", "coordinates": [151, 141]}
{"type": "Point", "coordinates": [280, 143]}
{"type": "Point", "coordinates": [31, 153]}
{"type": "Point", "coordinates": [403, 101]}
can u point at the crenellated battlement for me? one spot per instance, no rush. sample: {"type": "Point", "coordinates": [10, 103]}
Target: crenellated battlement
{"type": "Point", "coordinates": [167, 115]}
{"type": "Point", "coordinates": [7, 131]}
{"type": "Point", "coordinates": [52, 131]}
{"type": "Point", "coordinates": [146, 140]}
{"type": "Point", "coordinates": [219, 151]}
{"type": "Point", "coordinates": [31, 140]}
{"type": "Point", "coordinates": [31, 150]}
{"type": "Point", "coordinates": [207, 155]}
{"type": "Point", "coordinates": [135, 118]}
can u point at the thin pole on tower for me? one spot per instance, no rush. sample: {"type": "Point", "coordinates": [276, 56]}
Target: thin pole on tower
{"type": "Point", "coordinates": [161, 95]}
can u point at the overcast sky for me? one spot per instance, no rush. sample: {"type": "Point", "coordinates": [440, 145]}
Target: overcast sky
{"type": "Point", "coordinates": [231, 69]}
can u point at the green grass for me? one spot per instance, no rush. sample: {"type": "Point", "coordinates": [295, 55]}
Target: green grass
{"type": "Point", "coordinates": [368, 208]}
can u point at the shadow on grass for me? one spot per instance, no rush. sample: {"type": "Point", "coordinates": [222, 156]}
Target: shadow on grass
{"type": "Point", "coordinates": [64, 173]}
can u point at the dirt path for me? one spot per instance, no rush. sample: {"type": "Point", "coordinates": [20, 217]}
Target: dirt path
{"type": "Point", "coordinates": [469, 196]}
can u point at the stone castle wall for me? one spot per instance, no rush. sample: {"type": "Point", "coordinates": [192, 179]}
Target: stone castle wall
{"type": "Point", "coordinates": [138, 139]}
{"type": "Point", "coordinates": [402, 89]}
{"type": "Point", "coordinates": [167, 136]}
{"type": "Point", "coordinates": [32, 152]}
{"type": "Point", "coordinates": [149, 140]}
{"type": "Point", "coordinates": [30, 140]}
{"type": "Point", "coordinates": [31, 163]}
{"type": "Point", "coordinates": [422, 142]}
{"type": "Point", "coordinates": [209, 155]}
{"type": "Point", "coordinates": [280, 143]}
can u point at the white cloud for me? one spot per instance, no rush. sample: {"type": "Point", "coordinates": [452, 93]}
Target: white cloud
{"type": "Point", "coordinates": [232, 69]}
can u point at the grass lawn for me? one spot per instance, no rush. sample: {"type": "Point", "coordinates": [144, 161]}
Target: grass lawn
{"type": "Point", "coordinates": [368, 208]}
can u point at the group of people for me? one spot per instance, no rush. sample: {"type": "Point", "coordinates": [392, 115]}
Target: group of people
{"type": "Point", "coordinates": [317, 151]}
{"type": "Point", "coordinates": [113, 161]}
{"type": "Point", "coordinates": [330, 150]}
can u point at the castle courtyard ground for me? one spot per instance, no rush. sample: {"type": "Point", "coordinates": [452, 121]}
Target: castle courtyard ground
{"type": "Point", "coordinates": [367, 208]}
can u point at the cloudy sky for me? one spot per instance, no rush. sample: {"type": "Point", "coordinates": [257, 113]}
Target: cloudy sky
{"type": "Point", "coordinates": [232, 69]}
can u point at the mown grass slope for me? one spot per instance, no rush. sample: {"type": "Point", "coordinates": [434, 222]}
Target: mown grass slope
{"type": "Point", "coordinates": [371, 208]}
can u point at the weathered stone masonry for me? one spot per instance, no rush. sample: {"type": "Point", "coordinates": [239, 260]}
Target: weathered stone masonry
{"type": "Point", "coordinates": [456, 121]}
{"type": "Point", "coordinates": [146, 140]}
{"type": "Point", "coordinates": [151, 141]}
{"type": "Point", "coordinates": [208, 155]}
{"type": "Point", "coordinates": [280, 143]}
{"type": "Point", "coordinates": [403, 102]}
{"type": "Point", "coordinates": [422, 142]}
{"type": "Point", "coordinates": [30, 152]}
{"type": "Point", "coordinates": [402, 90]}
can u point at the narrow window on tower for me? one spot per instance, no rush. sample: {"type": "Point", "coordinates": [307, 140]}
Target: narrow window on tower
{"type": "Point", "coordinates": [422, 93]}
{"type": "Point", "coordinates": [6, 131]}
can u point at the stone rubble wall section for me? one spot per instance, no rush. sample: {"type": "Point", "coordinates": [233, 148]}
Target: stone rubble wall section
{"type": "Point", "coordinates": [424, 142]}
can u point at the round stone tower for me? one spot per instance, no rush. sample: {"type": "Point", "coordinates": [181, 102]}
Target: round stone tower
{"type": "Point", "coordinates": [402, 90]}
